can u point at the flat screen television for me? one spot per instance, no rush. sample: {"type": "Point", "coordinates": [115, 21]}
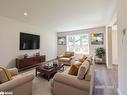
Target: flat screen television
{"type": "Point", "coordinates": [29, 41]}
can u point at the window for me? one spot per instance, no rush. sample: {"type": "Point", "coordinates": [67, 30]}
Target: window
{"type": "Point", "coordinates": [78, 43]}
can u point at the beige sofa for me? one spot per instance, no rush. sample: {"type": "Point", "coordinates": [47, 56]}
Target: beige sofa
{"type": "Point", "coordinates": [19, 85]}
{"type": "Point", "coordinates": [65, 84]}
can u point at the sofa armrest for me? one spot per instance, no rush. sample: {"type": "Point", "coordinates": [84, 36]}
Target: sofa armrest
{"type": "Point", "coordinates": [13, 71]}
{"type": "Point", "coordinates": [72, 81]}
{"type": "Point", "coordinates": [60, 56]}
{"type": "Point", "coordinates": [15, 82]}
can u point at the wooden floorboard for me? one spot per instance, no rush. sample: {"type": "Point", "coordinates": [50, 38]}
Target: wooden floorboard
{"type": "Point", "coordinates": [106, 80]}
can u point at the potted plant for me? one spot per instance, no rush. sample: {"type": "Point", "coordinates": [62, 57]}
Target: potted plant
{"type": "Point", "coordinates": [100, 52]}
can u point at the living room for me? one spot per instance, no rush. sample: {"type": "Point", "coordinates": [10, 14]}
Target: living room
{"type": "Point", "coordinates": [55, 22]}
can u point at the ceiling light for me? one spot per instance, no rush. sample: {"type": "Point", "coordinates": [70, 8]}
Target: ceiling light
{"type": "Point", "coordinates": [25, 14]}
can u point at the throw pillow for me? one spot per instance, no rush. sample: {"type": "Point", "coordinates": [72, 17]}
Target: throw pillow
{"type": "Point", "coordinates": [89, 59]}
{"type": "Point", "coordinates": [74, 69]}
{"type": "Point", "coordinates": [5, 75]}
{"type": "Point", "coordinates": [83, 70]}
{"type": "Point", "coordinates": [83, 58]}
{"type": "Point", "coordinates": [68, 54]}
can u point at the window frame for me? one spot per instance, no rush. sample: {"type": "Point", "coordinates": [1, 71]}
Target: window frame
{"type": "Point", "coordinates": [81, 43]}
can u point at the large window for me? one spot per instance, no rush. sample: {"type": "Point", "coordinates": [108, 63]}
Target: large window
{"type": "Point", "coordinates": [78, 43]}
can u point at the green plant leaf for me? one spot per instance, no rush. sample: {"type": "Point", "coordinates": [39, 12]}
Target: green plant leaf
{"type": "Point", "coordinates": [100, 52]}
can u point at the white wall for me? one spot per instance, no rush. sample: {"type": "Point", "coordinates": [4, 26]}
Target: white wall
{"type": "Point", "coordinates": [122, 46]}
{"type": "Point", "coordinates": [9, 41]}
{"type": "Point", "coordinates": [62, 48]}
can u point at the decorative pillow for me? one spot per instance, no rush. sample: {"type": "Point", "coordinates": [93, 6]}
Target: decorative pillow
{"type": "Point", "coordinates": [5, 75]}
{"type": "Point", "coordinates": [83, 58]}
{"type": "Point", "coordinates": [74, 69]}
{"type": "Point", "coordinates": [89, 59]}
{"type": "Point", "coordinates": [68, 54]}
{"type": "Point", "coordinates": [83, 70]}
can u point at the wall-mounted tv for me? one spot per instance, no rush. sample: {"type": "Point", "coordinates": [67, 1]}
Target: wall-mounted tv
{"type": "Point", "coordinates": [29, 41]}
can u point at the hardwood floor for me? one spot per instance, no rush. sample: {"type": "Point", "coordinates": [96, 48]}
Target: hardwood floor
{"type": "Point", "coordinates": [106, 80]}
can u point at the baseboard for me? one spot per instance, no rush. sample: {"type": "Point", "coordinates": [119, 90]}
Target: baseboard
{"type": "Point", "coordinates": [109, 67]}
{"type": "Point", "coordinates": [115, 64]}
{"type": "Point", "coordinates": [119, 92]}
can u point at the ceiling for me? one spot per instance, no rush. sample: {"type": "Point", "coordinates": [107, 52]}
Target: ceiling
{"type": "Point", "coordinates": [60, 15]}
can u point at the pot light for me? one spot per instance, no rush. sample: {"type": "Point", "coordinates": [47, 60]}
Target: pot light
{"type": "Point", "coordinates": [25, 13]}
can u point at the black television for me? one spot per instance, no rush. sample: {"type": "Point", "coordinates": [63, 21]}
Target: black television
{"type": "Point", "coordinates": [29, 41]}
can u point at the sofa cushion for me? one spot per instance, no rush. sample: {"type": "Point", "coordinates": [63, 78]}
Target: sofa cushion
{"type": "Point", "coordinates": [82, 58]}
{"type": "Point", "coordinates": [83, 70]}
{"type": "Point", "coordinates": [74, 69]}
{"type": "Point", "coordinates": [5, 75]}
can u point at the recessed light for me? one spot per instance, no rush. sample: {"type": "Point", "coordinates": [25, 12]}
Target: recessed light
{"type": "Point", "coordinates": [25, 13]}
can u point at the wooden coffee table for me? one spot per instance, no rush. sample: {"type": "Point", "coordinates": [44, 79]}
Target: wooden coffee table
{"type": "Point", "coordinates": [48, 72]}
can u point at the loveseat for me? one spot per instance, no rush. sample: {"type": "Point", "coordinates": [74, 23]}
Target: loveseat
{"type": "Point", "coordinates": [66, 84]}
{"type": "Point", "coordinates": [20, 84]}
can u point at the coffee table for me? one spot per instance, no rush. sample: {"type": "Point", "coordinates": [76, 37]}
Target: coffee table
{"type": "Point", "coordinates": [48, 72]}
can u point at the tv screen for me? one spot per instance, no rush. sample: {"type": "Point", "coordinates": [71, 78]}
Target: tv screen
{"type": "Point", "coordinates": [29, 41]}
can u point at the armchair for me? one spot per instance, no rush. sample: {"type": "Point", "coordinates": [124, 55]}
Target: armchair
{"type": "Point", "coordinates": [66, 58]}
{"type": "Point", "coordinates": [19, 85]}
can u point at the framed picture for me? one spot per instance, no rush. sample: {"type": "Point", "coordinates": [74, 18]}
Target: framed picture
{"type": "Point", "coordinates": [97, 38]}
{"type": "Point", "coordinates": [61, 40]}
